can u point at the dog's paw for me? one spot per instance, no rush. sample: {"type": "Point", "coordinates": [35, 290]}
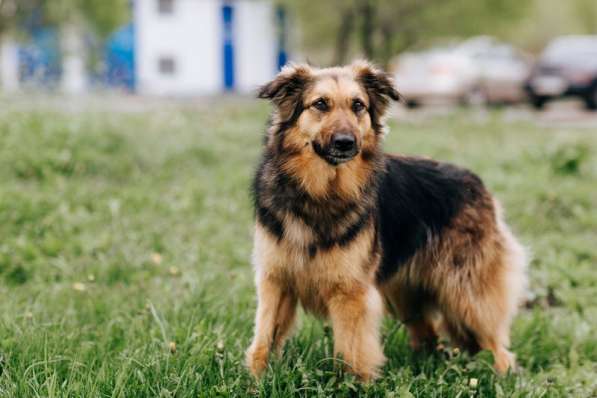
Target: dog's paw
{"type": "Point", "coordinates": [367, 376]}
{"type": "Point", "coordinates": [256, 359]}
{"type": "Point", "coordinates": [504, 361]}
{"type": "Point", "coordinates": [367, 366]}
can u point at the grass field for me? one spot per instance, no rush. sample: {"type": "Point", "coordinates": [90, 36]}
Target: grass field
{"type": "Point", "coordinates": [124, 258]}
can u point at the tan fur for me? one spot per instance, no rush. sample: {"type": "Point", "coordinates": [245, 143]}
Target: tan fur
{"type": "Point", "coordinates": [340, 283]}
{"type": "Point", "coordinates": [333, 284]}
{"type": "Point", "coordinates": [337, 284]}
{"type": "Point", "coordinates": [315, 174]}
{"type": "Point", "coordinates": [482, 301]}
{"type": "Point", "coordinates": [319, 179]}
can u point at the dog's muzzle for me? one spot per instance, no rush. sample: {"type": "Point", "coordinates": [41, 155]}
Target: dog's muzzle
{"type": "Point", "coordinates": [342, 148]}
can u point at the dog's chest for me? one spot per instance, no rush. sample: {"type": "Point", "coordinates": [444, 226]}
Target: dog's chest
{"type": "Point", "coordinates": [313, 280]}
{"type": "Point", "coordinates": [313, 277]}
{"type": "Point", "coordinates": [297, 234]}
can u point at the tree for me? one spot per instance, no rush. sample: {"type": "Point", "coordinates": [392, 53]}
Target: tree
{"type": "Point", "coordinates": [9, 9]}
{"type": "Point", "coordinates": [73, 18]}
{"type": "Point", "coordinates": [379, 29]}
{"type": "Point", "coordinates": [100, 16]}
{"type": "Point", "coordinates": [12, 14]}
{"type": "Point", "coordinates": [586, 12]}
{"type": "Point", "coordinates": [347, 21]}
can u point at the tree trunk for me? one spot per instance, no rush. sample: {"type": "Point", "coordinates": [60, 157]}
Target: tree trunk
{"type": "Point", "coordinates": [343, 37]}
{"type": "Point", "coordinates": [74, 79]}
{"type": "Point", "coordinates": [367, 28]}
{"type": "Point", "coordinates": [387, 34]}
{"type": "Point", "coordinates": [9, 64]}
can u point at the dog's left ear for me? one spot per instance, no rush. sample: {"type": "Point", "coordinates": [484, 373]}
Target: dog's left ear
{"type": "Point", "coordinates": [380, 89]}
{"type": "Point", "coordinates": [286, 90]}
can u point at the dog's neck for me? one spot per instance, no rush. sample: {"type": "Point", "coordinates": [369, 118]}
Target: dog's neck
{"type": "Point", "coordinates": [323, 181]}
{"type": "Point", "coordinates": [334, 202]}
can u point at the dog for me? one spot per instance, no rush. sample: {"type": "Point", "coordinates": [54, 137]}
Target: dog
{"type": "Point", "coordinates": [351, 233]}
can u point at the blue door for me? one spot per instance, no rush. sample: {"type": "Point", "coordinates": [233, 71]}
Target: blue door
{"type": "Point", "coordinates": [39, 57]}
{"type": "Point", "coordinates": [120, 58]}
{"type": "Point", "coordinates": [228, 46]}
{"type": "Point", "coordinates": [282, 33]}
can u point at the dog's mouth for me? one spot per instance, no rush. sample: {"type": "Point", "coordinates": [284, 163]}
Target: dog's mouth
{"type": "Point", "coordinates": [336, 159]}
{"type": "Point", "coordinates": [333, 156]}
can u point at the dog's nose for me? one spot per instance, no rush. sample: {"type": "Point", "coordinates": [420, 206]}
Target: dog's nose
{"type": "Point", "coordinates": [343, 142]}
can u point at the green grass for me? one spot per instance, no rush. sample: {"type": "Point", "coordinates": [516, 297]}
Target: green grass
{"type": "Point", "coordinates": [88, 308]}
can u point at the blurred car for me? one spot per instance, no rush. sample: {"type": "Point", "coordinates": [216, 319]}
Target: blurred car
{"type": "Point", "coordinates": [502, 70]}
{"type": "Point", "coordinates": [479, 70]}
{"type": "Point", "coordinates": [434, 75]}
{"type": "Point", "coordinates": [567, 68]}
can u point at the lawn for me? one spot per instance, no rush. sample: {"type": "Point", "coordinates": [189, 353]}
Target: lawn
{"type": "Point", "coordinates": [124, 257]}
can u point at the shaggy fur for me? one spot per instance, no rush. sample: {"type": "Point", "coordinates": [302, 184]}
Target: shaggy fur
{"type": "Point", "coordinates": [348, 231]}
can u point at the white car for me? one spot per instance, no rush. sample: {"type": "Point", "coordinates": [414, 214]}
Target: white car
{"type": "Point", "coordinates": [479, 70]}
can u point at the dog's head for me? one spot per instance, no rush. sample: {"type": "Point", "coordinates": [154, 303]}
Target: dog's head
{"type": "Point", "coordinates": [334, 112]}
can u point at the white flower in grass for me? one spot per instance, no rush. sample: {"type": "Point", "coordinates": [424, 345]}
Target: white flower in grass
{"type": "Point", "coordinates": [156, 258]}
{"type": "Point", "coordinates": [79, 286]}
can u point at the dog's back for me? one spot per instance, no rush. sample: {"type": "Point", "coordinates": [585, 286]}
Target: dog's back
{"type": "Point", "coordinates": [418, 199]}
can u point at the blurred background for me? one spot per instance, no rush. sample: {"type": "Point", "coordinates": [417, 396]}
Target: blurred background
{"type": "Point", "coordinates": [129, 134]}
{"type": "Point", "coordinates": [440, 51]}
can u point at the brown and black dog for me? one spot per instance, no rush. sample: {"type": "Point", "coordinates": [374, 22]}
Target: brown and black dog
{"type": "Point", "coordinates": [348, 231]}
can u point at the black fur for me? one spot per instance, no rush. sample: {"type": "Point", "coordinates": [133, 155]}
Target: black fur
{"type": "Point", "coordinates": [408, 200]}
{"type": "Point", "coordinates": [417, 199]}
{"type": "Point", "coordinates": [286, 92]}
{"type": "Point", "coordinates": [380, 89]}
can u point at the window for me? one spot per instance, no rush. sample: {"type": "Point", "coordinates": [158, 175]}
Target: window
{"type": "Point", "coordinates": [166, 7]}
{"type": "Point", "coordinates": [167, 66]}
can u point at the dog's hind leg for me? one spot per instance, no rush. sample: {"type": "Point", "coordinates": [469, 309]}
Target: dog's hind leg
{"type": "Point", "coordinates": [422, 334]}
{"type": "Point", "coordinates": [480, 309]}
{"type": "Point", "coordinates": [480, 323]}
{"type": "Point", "coordinates": [480, 294]}
{"type": "Point", "coordinates": [275, 314]}
{"type": "Point", "coordinates": [415, 309]}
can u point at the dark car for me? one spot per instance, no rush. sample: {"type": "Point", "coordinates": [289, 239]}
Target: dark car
{"type": "Point", "coordinates": [567, 68]}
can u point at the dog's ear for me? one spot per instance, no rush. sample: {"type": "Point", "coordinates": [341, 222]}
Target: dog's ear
{"type": "Point", "coordinates": [380, 89]}
{"type": "Point", "coordinates": [286, 90]}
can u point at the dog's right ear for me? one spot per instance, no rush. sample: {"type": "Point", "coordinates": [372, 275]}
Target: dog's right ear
{"type": "Point", "coordinates": [287, 88]}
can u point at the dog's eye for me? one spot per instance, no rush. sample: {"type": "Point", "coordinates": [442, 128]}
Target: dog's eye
{"type": "Point", "coordinates": [320, 105]}
{"type": "Point", "coordinates": [357, 106]}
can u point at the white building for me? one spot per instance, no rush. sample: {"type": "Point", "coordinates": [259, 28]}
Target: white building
{"type": "Point", "coordinates": [9, 65]}
{"type": "Point", "coordinates": [196, 47]}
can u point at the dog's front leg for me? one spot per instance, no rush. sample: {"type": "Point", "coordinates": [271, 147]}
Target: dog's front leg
{"type": "Point", "coordinates": [276, 309]}
{"type": "Point", "coordinates": [356, 320]}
